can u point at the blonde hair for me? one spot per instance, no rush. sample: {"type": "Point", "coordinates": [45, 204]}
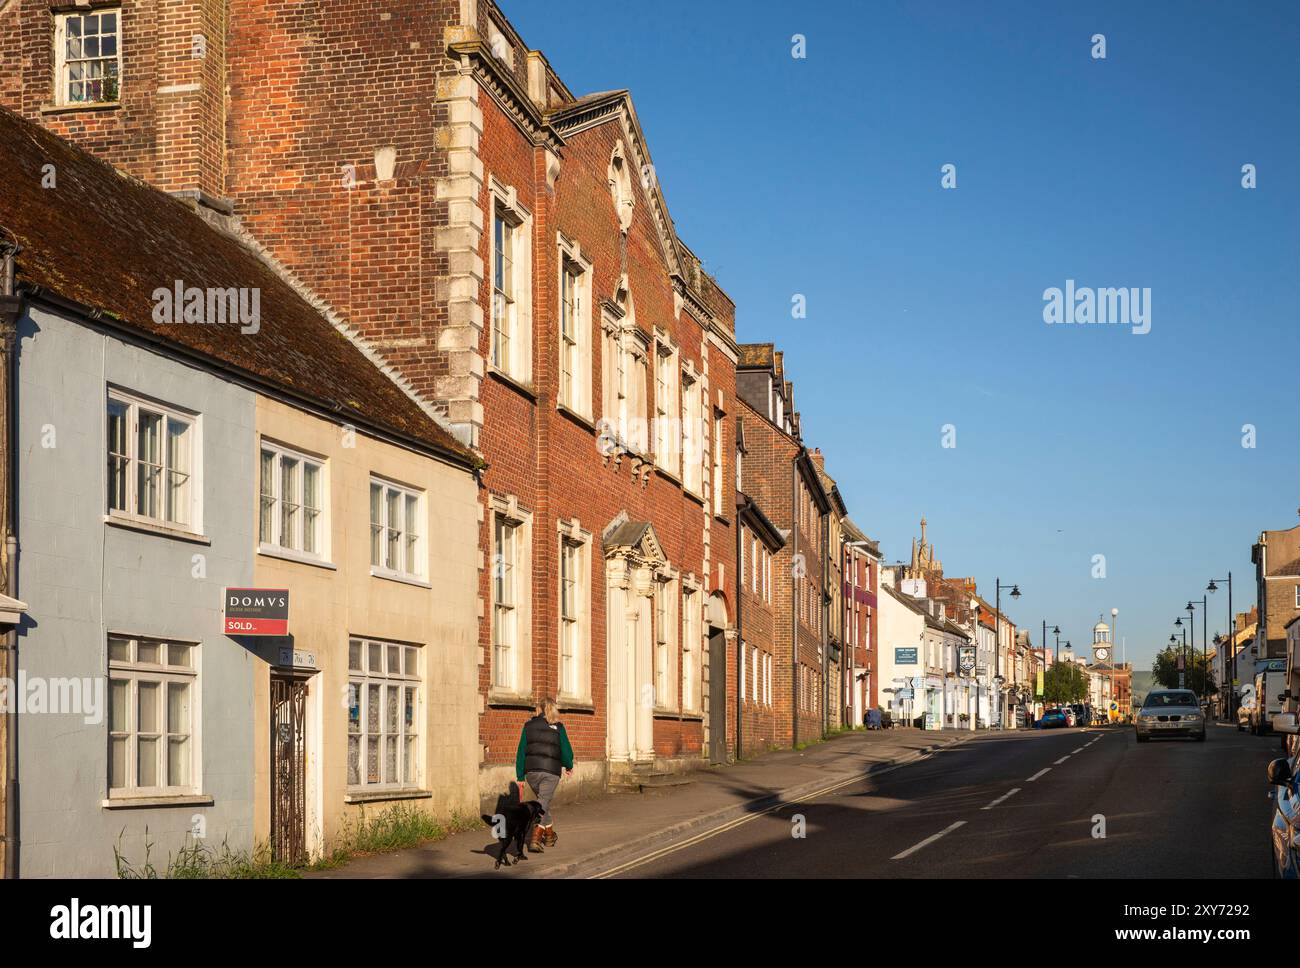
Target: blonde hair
{"type": "Point", "coordinates": [549, 710]}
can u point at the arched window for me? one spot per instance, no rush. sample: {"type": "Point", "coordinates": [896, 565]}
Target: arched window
{"type": "Point", "coordinates": [620, 187]}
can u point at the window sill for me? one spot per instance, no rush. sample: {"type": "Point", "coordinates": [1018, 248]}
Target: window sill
{"type": "Point", "coordinates": [576, 417]}
{"type": "Point", "coordinates": [400, 579]}
{"type": "Point", "coordinates": [381, 796]}
{"type": "Point", "coordinates": [575, 705]}
{"type": "Point", "coordinates": [511, 382]}
{"type": "Point", "coordinates": [668, 475]}
{"type": "Point", "coordinates": [85, 106]}
{"type": "Point", "coordinates": [181, 800]}
{"type": "Point", "coordinates": [288, 554]}
{"type": "Point", "coordinates": [697, 498]}
{"type": "Point", "coordinates": [504, 699]}
{"type": "Point", "coordinates": [162, 530]}
{"type": "Point", "coordinates": [722, 518]}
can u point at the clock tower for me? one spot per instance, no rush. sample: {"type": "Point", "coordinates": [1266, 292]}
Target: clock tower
{"type": "Point", "coordinates": [1101, 643]}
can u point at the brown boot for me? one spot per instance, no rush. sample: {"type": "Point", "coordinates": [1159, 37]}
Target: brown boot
{"type": "Point", "coordinates": [536, 840]}
{"type": "Point", "coordinates": [549, 837]}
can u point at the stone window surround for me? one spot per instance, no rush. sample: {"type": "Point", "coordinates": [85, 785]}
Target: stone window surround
{"type": "Point", "coordinates": [692, 646]}
{"type": "Point", "coordinates": [571, 259]}
{"type": "Point", "coordinates": [572, 532]}
{"type": "Point", "coordinates": [505, 198]}
{"type": "Point", "coordinates": [507, 507]}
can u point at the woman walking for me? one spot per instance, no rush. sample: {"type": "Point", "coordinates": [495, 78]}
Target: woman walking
{"type": "Point", "coordinates": [544, 753]}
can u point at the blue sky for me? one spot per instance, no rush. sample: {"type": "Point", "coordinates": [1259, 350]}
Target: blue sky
{"type": "Point", "coordinates": [821, 177]}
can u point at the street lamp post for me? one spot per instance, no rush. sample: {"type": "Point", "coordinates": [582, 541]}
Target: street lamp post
{"type": "Point", "coordinates": [1205, 652]}
{"type": "Point", "coordinates": [1182, 680]}
{"type": "Point", "coordinates": [1232, 645]}
{"type": "Point", "coordinates": [1114, 621]}
{"type": "Point", "coordinates": [997, 640]}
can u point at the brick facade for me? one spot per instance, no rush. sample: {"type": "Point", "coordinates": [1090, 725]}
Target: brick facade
{"type": "Point", "coordinates": [782, 479]}
{"type": "Point", "coordinates": [368, 150]}
{"type": "Point", "coordinates": [1276, 557]}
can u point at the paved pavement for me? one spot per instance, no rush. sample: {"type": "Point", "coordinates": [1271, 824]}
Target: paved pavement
{"type": "Point", "coordinates": [1018, 804]}
{"type": "Point", "coordinates": [601, 832]}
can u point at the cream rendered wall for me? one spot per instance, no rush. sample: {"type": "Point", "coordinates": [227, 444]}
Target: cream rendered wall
{"type": "Point", "coordinates": [327, 605]}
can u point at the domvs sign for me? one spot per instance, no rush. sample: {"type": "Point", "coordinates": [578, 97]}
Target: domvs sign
{"type": "Point", "coordinates": [257, 611]}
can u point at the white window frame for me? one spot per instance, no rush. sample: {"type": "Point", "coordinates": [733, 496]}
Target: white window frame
{"type": "Point", "coordinates": [411, 546]}
{"type": "Point", "coordinates": [510, 590]}
{"type": "Point", "coordinates": [574, 622]}
{"type": "Point", "coordinates": [363, 679]}
{"type": "Point", "coordinates": [574, 339]}
{"type": "Point", "coordinates": [169, 414]}
{"type": "Point", "coordinates": [692, 646]}
{"type": "Point", "coordinates": [134, 672]}
{"type": "Point", "coordinates": [510, 317]}
{"type": "Point", "coordinates": [62, 68]}
{"type": "Point", "coordinates": [272, 544]}
{"type": "Point", "coordinates": [1297, 596]}
{"type": "Point", "coordinates": [719, 508]}
{"type": "Point", "coordinates": [665, 643]}
{"type": "Point", "coordinates": [667, 405]}
{"type": "Point", "coordinates": [692, 443]}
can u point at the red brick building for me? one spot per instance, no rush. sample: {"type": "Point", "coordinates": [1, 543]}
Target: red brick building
{"type": "Point", "coordinates": [861, 567]}
{"type": "Point", "coordinates": [756, 597]}
{"type": "Point", "coordinates": [505, 248]}
{"type": "Point", "coordinates": [781, 477]}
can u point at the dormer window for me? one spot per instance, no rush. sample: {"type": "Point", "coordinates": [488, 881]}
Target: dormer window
{"type": "Point", "coordinates": [87, 57]}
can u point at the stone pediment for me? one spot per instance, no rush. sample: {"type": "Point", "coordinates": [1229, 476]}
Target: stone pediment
{"type": "Point", "coordinates": [634, 539]}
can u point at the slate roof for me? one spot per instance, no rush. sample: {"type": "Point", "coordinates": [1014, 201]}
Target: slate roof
{"type": "Point", "coordinates": [105, 241]}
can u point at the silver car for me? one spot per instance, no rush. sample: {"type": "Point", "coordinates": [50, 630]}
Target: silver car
{"type": "Point", "coordinates": [1170, 712]}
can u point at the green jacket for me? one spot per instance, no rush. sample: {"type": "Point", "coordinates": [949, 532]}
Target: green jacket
{"type": "Point", "coordinates": [566, 751]}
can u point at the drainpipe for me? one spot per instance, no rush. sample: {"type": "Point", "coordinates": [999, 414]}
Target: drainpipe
{"type": "Point", "coordinates": [9, 306]}
{"type": "Point", "coordinates": [825, 610]}
{"type": "Point", "coordinates": [740, 641]}
{"type": "Point", "coordinates": [794, 602]}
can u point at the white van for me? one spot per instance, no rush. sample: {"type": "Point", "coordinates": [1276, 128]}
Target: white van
{"type": "Point", "coordinates": [1270, 684]}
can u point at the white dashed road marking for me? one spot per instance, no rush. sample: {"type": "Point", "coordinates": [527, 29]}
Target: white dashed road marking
{"type": "Point", "coordinates": [1062, 759]}
{"type": "Point", "coordinates": [1004, 796]}
{"type": "Point", "coordinates": [928, 841]}
{"type": "Point", "coordinates": [1046, 769]}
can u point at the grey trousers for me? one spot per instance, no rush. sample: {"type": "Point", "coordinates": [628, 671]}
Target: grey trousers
{"type": "Point", "coordinates": [543, 786]}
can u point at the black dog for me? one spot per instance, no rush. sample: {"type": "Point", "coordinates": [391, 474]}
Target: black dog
{"type": "Point", "coordinates": [520, 819]}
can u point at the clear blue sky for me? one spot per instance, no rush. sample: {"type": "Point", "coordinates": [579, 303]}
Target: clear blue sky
{"type": "Point", "coordinates": [822, 177]}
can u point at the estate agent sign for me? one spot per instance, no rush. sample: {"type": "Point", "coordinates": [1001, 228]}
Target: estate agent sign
{"type": "Point", "coordinates": [257, 611]}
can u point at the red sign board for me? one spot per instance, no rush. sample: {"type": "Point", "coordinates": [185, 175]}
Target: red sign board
{"type": "Point", "coordinates": [257, 611]}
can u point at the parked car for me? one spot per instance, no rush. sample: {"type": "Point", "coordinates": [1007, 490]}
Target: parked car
{"type": "Point", "coordinates": [1070, 718]}
{"type": "Point", "coordinates": [1082, 714]}
{"type": "Point", "coordinates": [1170, 712]}
{"type": "Point", "coordinates": [1052, 719]}
{"type": "Point", "coordinates": [1284, 778]}
{"type": "Point", "coordinates": [1270, 684]}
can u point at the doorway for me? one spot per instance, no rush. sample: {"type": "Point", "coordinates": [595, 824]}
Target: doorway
{"type": "Point", "coordinates": [288, 768]}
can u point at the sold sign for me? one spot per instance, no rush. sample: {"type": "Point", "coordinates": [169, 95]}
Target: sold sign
{"type": "Point", "coordinates": [257, 611]}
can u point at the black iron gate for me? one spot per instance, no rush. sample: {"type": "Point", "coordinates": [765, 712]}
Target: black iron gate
{"type": "Point", "coordinates": [717, 695]}
{"type": "Point", "coordinates": [288, 769]}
